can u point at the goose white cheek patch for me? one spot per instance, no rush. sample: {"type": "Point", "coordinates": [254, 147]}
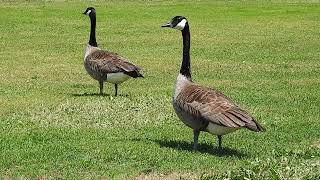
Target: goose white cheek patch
{"type": "Point", "coordinates": [88, 12]}
{"type": "Point", "coordinates": [181, 24]}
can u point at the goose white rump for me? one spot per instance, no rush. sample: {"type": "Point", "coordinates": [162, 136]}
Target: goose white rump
{"type": "Point", "coordinates": [219, 130]}
{"type": "Point", "coordinates": [117, 78]}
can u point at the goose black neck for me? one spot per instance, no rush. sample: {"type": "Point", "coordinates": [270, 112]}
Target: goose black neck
{"type": "Point", "coordinates": [185, 66]}
{"type": "Point", "coordinates": [92, 40]}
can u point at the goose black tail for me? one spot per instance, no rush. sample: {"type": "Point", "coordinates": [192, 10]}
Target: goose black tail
{"type": "Point", "coordinates": [134, 74]}
{"type": "Point", "coordinates": [254, 126]}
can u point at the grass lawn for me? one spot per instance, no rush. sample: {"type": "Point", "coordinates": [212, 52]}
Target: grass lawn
{"type": "Point", "coordinates": [265, 55]}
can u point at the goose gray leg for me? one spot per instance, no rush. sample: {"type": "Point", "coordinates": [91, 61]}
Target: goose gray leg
{"type": "Point", "coordinates": [220, 141]}
{"type": "Point", "coordinates": [101, 87]}
{"type": "Point", "coordinates": [116, 88]}
{"type": "Point", "coordinates": [195, 139]}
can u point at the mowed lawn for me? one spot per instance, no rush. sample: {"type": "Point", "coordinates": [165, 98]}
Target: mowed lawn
{"type": "Point", "coordinates": [266, 56]}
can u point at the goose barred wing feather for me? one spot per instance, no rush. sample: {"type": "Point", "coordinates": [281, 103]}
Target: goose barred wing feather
{"type": "Point", "coordinates": [109, 62]}
{"type": "Point", "coordinates": [210, 105]}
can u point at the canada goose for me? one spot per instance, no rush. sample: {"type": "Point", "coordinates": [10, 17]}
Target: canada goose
{"type": "Point", "coordinates": [104, 65]}
{"type": "Point", "coordinates": [202, 108]}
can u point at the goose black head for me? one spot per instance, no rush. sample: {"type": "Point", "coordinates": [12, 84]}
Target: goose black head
{"type": "Point", "coordinates": [177, 22]}
{"type": "Point", "coordinates": [89, 11]}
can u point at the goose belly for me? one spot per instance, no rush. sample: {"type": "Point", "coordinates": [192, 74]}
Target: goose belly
{"type": "Point", "coordinates": [117, 78]}
{"type": "Point", "coordinates": [219, 130]}
{"type": "Point", "coordinates": [188, 119]}
{"type": "Point", "coordinates": [93, 73]}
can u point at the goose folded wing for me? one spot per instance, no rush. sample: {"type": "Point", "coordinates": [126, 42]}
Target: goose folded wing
{"type": "Point", "coordinates": [110, 62]}
{"type": "Point", "coordinates": [212, 106]}
{"type": "Point", "coordinates": [217, 114]}
{"type": "Point", "coordinates": [124, 64]}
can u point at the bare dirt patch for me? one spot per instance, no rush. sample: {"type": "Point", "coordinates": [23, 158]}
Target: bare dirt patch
{"type": "Point", "coordinates": [170, 176]}
{"type": "Point", "coordinates": [317, 144]}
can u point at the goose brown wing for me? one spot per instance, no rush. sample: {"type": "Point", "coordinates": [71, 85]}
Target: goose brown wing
{"type": "Point", "coordinates": [109, 62]}
{"type": "Point", "coordinates": [212, 106]}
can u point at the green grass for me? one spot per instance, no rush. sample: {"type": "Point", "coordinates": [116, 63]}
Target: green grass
{"type": "Point", "coordinates": [264, 55]}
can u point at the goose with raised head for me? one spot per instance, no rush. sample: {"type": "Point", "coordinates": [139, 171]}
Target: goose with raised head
{"type": "Point", "coordinates": [202, 108]}
{"type": "Point", "coordinates": [104, 65]}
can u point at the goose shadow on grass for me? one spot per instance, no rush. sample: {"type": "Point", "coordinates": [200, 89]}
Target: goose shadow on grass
{"type": "Point", "coordinates": [97, 94]}
{"type": "Point", "coordinates": [202, 148]}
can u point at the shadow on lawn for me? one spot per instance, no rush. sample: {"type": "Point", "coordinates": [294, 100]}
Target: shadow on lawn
{"type": "Point", "coordinates": [97, 94]}
{"type": "Point", "coordinates": [202, 148]}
